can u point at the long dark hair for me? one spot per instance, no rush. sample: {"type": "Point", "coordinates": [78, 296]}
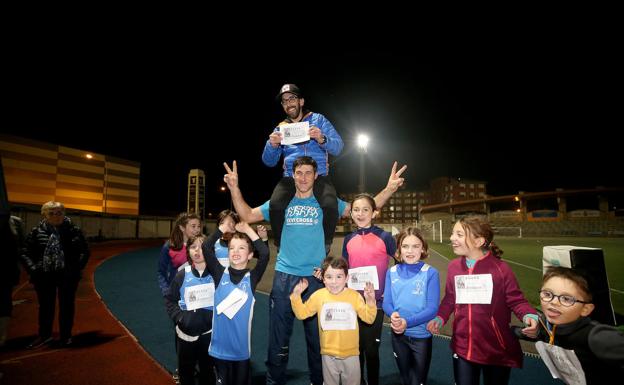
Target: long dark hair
{"type": "Point", "coordinates": [176, 239]}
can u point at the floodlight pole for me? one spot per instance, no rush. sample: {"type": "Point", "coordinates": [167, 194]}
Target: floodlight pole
{"type": "Point", "coordinates": [362, 142]}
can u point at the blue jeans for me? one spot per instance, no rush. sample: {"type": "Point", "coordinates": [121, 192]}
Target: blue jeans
{"type": "Point", "coordinates": [281, 318]}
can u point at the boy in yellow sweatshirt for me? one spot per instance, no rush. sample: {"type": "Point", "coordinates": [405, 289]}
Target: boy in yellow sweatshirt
{"type": "Point", "coordinates": [338, 308]}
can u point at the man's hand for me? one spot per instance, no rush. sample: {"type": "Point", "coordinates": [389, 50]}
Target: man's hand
{"type": "Point", "coordinates": [231, 178]}
{"type": "Point", "coordinates": [395, 181]}
{"type": "Point", "coordinates": [275, 139]}
{"type": "Point", "coordinates": [316, 134]}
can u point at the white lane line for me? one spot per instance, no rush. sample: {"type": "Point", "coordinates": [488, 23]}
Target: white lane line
{"type": "Point", "coordinates": [523, 265]}
{"type": "Point", "coordinates": [439, 255]}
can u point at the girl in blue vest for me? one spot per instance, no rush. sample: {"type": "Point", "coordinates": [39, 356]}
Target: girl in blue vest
{"type": "Point", "coordinates": [233, 302]}
{"type": "Point", "coordinates": [411, 299]}
{"type": "Point", "coordinates": [190, 304]}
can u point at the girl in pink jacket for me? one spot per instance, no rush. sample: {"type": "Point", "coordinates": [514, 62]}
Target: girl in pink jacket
{"type": "Point", "coordinates": [482, 291]}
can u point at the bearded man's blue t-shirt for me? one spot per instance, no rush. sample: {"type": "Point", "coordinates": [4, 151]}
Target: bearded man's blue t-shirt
{"type": "Point", "coordinates": [303, 240]}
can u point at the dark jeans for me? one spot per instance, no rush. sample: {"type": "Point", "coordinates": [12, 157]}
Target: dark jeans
{"type": "Point", "coordinates": [191, 354]}
{"type": "Point", "coordinates": [413, 357]}
{"type": "Point", "coordinates": [47, 287]}
{"type": "Point", "coordinates": [370, 339]}
{"type": "Point", "coordinates": [325, 194]}
{"type": "Point", "coordinates": [467, 373]}
{"type": "Point", "coordinates": [281, 318]}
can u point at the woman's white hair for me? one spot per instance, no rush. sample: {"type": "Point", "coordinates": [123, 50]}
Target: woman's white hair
{"type": "Point", "coordinates": [50, 206]}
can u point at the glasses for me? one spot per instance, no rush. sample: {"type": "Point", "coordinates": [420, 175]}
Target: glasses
{"type": "Point", "coordinates": [55, 213]}
{"type": "Point", "coordinates": [565, 300]}
{"type": "Point", "coordinates": [289, 99]}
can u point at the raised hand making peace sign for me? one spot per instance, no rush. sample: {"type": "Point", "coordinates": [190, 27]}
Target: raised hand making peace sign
{"type": "Point", "coordinates": [395, 181]}
{"type": "Point", "coordinates": [231, 178]}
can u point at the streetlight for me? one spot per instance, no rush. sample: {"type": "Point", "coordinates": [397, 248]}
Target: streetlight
{"type": "Point", "coordinates": [105, 187]}
{"type": "Point", "coordinates": [223, 190]}
{"type": "Point", "coordinates": [362, 142]}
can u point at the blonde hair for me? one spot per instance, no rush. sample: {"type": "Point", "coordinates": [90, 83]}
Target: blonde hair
{"type": "Point", "coordinates": [50, 206]}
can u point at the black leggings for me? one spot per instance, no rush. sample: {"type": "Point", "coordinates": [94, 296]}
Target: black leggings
{"type": "Point", "coordinates": [325, 194]}
{"type": "Point", "coordinates": [233, 372]}
{"type": "Point", "coordinates": [468, 373]}
{"type": "Point", "coordinates": [413, 357]}
{"type": "Point", "coordinates": [370, 339]}
{"type": "Point", "coordinates": [192, 354]}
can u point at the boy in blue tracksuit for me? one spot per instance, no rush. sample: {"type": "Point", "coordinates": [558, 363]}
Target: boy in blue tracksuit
{"type": "Point", "coordinates": [324, 141]}
{"type": "Point", "coordinates": [233, 302]}
{"type": "Point", "coordinates": [189, 304]}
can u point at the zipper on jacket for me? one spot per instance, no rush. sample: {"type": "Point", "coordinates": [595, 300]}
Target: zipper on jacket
{"type": "Point", "coordinates": [469, 355]}
{"type": "Point", "coordinates": [499, 336]}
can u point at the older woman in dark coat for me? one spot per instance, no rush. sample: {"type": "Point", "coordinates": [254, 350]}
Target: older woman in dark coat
{"type": "Point", "coordinates": [55, 253]}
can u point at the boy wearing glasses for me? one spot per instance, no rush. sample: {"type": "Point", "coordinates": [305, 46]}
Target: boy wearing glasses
{"type": "Point", "coordinates": [570, 338]}
{"type": "Point", "coordinates": [324, 141]}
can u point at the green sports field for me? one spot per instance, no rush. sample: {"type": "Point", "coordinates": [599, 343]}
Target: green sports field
{"type": "Point", "coordinates": [525, 257]}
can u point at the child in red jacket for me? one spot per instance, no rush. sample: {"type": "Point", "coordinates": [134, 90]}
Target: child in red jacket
{"type": "Point", "coordinates": [482, 291]}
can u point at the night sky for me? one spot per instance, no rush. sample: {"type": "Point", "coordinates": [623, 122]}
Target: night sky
{"type": "Point", "coordinates": [524, 115]}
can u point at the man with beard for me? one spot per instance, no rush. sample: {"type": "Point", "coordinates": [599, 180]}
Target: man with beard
{"type": "Point", "coordinates": [300, 256]}
{"type": "Point", "coordinates": [324, 141]}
